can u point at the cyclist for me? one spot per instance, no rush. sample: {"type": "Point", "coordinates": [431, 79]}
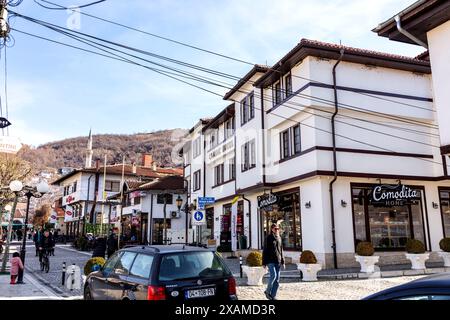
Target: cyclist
{"type": "Point", "coordinates": [46, 244]}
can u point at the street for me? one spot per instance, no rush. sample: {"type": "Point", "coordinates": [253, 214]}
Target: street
{"type": "Point", "coordinates": [290, 289]}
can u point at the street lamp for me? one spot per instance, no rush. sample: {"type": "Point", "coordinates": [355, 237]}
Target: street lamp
{"type": "Point", "coordinates": [179, 202]}
{"type": "Point", "coordinates": [29, 192]}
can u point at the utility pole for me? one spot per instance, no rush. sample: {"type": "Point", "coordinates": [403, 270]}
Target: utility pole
{"type": "Point", "coordinates": [4, 28]}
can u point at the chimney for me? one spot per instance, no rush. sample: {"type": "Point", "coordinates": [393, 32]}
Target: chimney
{"type": "Point", "coordinates": [154, 166]}
{"type": "Point", "coordinates": [134, 168]}
{"type": "Point", "coordinates": [147, 160]}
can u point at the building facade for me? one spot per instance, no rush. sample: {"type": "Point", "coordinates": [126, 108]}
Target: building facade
{"type": "Point", "coordinates": [336, 144]}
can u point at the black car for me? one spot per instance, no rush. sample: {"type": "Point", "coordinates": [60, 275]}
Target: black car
{"type": "Point", "coordinates": [172, 272]}
{"type": "Point", "coordinates": [435, 287]}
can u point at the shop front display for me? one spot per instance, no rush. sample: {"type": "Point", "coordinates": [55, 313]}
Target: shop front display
{"type": "Point", "coordinates": [444, 198]}
{"type": "Point", "coordinates": [284, 209]}
{"type": "Point", "coordinates": [225, 228]}
{"type": "Point", "coordinates": [388, 215]}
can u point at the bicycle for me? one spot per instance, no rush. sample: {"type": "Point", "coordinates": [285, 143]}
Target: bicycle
{"type": "Point", "coordinates": [45, 261]}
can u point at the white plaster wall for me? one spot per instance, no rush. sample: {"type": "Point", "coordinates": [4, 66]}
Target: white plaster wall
{"type": "Point", "coordinates": [439, 48]}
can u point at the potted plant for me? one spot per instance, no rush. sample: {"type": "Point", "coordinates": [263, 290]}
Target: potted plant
{"type": "Point", "coordinates": [444, 244]}
{"type": "Point", "coordinates": [415, 252]}
{"type": "Point", "coordinates": [364, 255]}
{"type": "Point", "coordinates": [254, 269]}
{"type": "Point", "coordinates": [308, 266]}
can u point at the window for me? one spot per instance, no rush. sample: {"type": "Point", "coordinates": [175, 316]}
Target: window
{"type": "Point", "coordinates": [197, 147]}
{"type": "Point", "coordinates": [297, 143]}
{"type": "Point", "coordinates": [74, 188]}
{"type": "Point", "coordinates": [286, 145]}
{"type": "Point", "coordinates": [137, 201]}
{"type": "Point", "coordinates": [214, 138]}
{"type": "Point", "coordinates": [160, 198]}
{"type": "Point", "coordinates": [108, 268]}
{"type": "Point", "coordinates": [291, 142]}
{"type": "Point", "coordinates": [197, 177]}
{"type": "Point", "coordinates": [232, 169]}
{"type": "Point", "coordinates": [247, 108]}
{"type": "Point", "coordinates": [426, 297]}
{"type": "Point", "coordinates": [112, 186]}
{"type": "Point", "coordinates": [276, 93]}
{"type": "Point", "coordinates": [229, 128]}
{"type": "Point", "coordinates": [142, 266]}
{"type": "Point", "coordinates": [218, 174]}
{"type": "Point", "coordinates": [124, 263]}
{"type": "Point", "coordinates": [248, 154]}
{"type": "Point", "coordinates": [288, 85]}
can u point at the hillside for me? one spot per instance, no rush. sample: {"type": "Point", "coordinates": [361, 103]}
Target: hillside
{"type": "Point", "coordinates": [71, 152]}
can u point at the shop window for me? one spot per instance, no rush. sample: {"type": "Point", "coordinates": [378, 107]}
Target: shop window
{"type": "Point", "coordinates": [160, 198]}
{"type": "Point", "coordinates": [286, 213]}
{"type": "Point", "coordinates": [388, 227]}
{"type": "Point", "coordinates": [444, 196]}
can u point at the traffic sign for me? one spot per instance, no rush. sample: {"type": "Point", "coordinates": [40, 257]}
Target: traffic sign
{"type": "Point", "coordinates": [198, 218]}
{"type": "Point", "coordinates": [203, 201]}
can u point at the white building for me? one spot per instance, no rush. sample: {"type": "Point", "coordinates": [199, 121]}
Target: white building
{"type": "Point", "coordinates": [323, 169]}
{"type": "Point", "coordinates": [83, 199]}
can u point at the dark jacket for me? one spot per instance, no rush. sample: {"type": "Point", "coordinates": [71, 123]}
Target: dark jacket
{"type": "Point", "coordinates": [46, 242]}
{"type": "Point", "coordinates": [273, 250]}
{"type": "Point", "coordinates": [99, 248]}
{"type": "Point", "coordinates": [112, 243]}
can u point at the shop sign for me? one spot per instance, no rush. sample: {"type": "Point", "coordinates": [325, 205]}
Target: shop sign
{"type": "Point", "coordinates": [68, 216]}
{"type": "Point", "coordinates": [10, 144]}
{"type": "Point", "coordinates": [267, 200]}
{"type": "Point", "coordinates": [393, 195]}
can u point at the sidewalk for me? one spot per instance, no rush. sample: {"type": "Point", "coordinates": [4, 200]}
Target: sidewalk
{"type": "Point", "coordinates": [30, 290]}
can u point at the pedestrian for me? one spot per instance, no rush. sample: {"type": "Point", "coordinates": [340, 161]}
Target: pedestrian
{"type": "Point", "coordinates": [19, 235]}
{"type": "Point", "coordinates": [273, 258]}
{"type": "Point", "coordinates": [37, 239]}
{"type": "Point", "coordinates": [112, 243]}
{"type": "Point", "coordinates": [16, 265]}
{"type": "Point", "coordinates": [46, 243]}
{"type": "Point", "coordinates": [99, 247]}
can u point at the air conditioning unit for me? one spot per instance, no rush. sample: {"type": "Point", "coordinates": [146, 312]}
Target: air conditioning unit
{"type": "Point", "coordinates": [175, 215]}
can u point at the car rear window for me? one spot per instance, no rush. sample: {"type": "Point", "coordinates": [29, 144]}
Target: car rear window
{"type": "Point", "coordinates": [141, 266]}
{"type": "Point", "coordinates": [189, 265]}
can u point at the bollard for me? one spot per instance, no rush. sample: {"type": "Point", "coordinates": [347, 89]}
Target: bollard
{"type": "Point", "coordinates": [240, 265]}
{"type": "Point", "coordinates": [73, 278]}
{"type": "Point", "coordinates": [63, 280]}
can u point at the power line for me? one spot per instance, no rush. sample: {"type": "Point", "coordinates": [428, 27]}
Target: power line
{"type": "Point", "coordinates": [208, 82]}
{"type": "Point", "coordinates": [202, 69]}
{"type": "Point", "coordinates": [58, 8]}
{"type": "Point", "coordinates": [218, 54]}
{"type": "Point", "coordinates": [289, 119]}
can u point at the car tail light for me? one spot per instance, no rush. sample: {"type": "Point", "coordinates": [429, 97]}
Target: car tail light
{"type": "Point", "coordinates": [232, 286]}
{"type": "Point", "coordinates": [156, 293]}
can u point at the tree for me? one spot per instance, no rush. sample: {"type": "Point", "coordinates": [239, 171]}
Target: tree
{"type": "Point", "coordinates": [41, 216]}
{"type": "Point", "coordinates": [12, 168]}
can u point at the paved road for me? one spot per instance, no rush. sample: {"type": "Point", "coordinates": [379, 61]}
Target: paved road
{"type": "Point", "coordinates": [63, 253]}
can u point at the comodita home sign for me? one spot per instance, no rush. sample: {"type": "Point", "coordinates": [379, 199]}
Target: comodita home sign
{"type": "Point", "coordinates": [393, 195]}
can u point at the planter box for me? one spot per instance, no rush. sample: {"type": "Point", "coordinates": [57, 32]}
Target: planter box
{"type": "Point", "coordinates": [446, 257]}
{"type": "Point", "coordinates": [309, 270]}
{"type": "Point", "coordinates": [254, 275]}
{"type": "Point", "coordinates": [418, 260]}
{"type": "Point", "coordinates": [367, 263]}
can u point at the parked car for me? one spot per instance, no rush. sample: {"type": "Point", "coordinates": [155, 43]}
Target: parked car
{"type": "Point", "coordinates": [171, 272]}
{"type": "Point", "coordinates": [435, 287]}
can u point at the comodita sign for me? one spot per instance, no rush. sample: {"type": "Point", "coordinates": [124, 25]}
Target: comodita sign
{"type": "Point", "coordinates": [390, 195]}
{"type": "Point", "coordinates": [10, 144]}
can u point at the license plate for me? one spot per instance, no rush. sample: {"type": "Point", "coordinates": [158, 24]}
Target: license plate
{"type": "Point", "coordinates": [201, 293]}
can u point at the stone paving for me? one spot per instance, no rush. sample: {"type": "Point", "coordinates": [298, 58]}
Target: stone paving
{"type": "Point", "coordinates": [53, 279]}
{"type": "Point", "coordinates": [324, 290]}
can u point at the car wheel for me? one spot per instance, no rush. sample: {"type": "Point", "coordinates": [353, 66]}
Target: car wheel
{"type": "Point", "coordinates": [87, 294]}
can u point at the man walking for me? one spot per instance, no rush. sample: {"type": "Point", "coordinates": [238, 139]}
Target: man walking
{"type": "Point", "coordinates": [112, 243]}
{"type": "Point", "coordinates": [273, 258]}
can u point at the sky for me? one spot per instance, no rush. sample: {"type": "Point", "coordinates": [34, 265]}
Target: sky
{"type": "Point", "coordinates": [55, 92]}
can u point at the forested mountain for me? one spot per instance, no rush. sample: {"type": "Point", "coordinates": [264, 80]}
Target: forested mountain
{"type": "Point", "coordinates": [72, 152]}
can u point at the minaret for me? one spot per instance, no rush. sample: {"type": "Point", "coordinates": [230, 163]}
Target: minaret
{"type": "Point", "coordinates": [89, 152]}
